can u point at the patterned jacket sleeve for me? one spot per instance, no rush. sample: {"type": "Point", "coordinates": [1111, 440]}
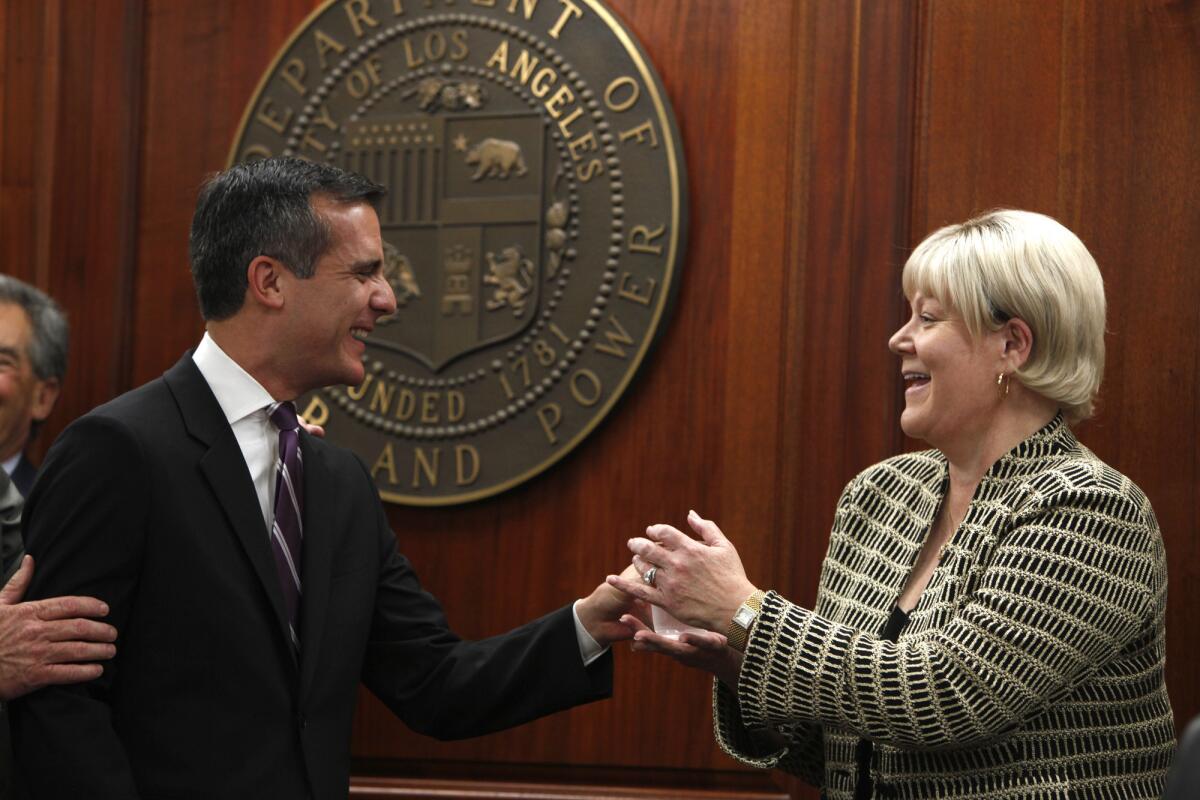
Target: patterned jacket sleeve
{"type": "Point", "coordinates": [1078, 576]}
{"type": "Point", "coordinates": [758, 746]}
{"type": "Point", "coordinates": [802, 755]}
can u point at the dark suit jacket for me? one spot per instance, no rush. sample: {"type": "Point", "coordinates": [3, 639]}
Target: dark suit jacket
{"type": "Point", "coordinates": [147, 503]}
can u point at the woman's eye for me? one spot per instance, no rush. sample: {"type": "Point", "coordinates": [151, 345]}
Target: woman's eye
{"type": "Point", "coordinates": [926, 318]}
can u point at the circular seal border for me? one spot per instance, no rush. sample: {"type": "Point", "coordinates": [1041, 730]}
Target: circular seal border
{"type": "Point", "coordinates": [675, 252]}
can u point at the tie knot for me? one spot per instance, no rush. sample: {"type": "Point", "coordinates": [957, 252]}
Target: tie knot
{"type": "Point", "coordinates": [283, 415]}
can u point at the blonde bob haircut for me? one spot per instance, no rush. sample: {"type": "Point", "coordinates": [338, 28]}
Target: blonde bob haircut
{"type": "Point", "coordinates": [1009, 264]}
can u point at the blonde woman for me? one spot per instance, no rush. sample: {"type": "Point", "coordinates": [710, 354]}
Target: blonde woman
{"type": "Point", "coordinates": [989, 620]}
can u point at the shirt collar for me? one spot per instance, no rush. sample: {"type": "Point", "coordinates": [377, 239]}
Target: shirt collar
{"type": "Point", "coordinates": [11, 463]}
{"type": "Point", "coordinates": [236, 390]}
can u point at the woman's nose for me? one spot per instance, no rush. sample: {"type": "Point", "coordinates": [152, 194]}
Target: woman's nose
{"type": "Point", "coordinates": [900, 341]}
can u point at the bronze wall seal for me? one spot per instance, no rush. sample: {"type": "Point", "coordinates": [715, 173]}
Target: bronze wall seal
{"type": "Point", "coordinates": [534, 226]}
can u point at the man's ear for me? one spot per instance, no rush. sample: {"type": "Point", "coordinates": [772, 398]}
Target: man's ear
{"type": "Point", "coordinates": [1018, 343]}
{"type": "Point", "coordinates": [265, 276]}
{"type": "Point", "coordinates": [45, 394]}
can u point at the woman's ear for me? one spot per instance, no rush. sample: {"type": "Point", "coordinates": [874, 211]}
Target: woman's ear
{"type": "Point", "coordinates": [1018, 343]}
{"type": "Point", "coordinates": [265, 278]}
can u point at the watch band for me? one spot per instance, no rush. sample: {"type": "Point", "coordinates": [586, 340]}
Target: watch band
{"type": "Point", "coordinates": [743, 620]}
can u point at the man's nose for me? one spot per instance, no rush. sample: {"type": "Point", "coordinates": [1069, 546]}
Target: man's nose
{"type": "Point", "coordinates": [383, 299]}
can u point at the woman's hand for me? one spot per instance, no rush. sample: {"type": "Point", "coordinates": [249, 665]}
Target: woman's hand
{"type": "Point", "coordinates": [700, 582]}
{"type": "Point", "coordinates": [703, 650]}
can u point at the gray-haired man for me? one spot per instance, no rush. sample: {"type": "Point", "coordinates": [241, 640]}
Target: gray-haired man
{"type": "Point", "coordinates": [33, 360]}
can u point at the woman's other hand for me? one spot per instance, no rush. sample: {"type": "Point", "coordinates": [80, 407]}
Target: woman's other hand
{"type": "Point", "coordinates": [701, 650]}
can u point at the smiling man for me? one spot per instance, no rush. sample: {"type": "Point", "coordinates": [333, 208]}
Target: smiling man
{"type": "Point", "coordinates": [248, 567]}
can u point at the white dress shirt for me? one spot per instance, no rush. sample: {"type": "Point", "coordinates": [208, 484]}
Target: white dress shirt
{"type": "Point", "coordinates": [244, 402]}
{"type": "Point", "coordinates": [11, 463]}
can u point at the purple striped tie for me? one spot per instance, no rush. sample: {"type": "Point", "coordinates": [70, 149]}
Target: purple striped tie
{"type": "Point", "coordinates": [287, 532]}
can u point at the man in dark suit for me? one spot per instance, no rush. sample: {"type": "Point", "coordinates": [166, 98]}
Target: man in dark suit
{"type": "Point", "coordinates": [33, 361]}
{"type": "Point", "coordinates": [249, 567]}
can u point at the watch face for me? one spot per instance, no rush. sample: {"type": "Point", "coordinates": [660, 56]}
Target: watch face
{"type": "Point", "coordinates": [744, 616]}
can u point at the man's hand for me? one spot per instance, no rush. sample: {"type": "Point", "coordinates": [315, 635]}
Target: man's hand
{"type": "Point", "coordinates": [601, 612]}
{"type": "Point", "coordinates": [42, 642]}
{"type": "Point", "coordinates": [313, 430]}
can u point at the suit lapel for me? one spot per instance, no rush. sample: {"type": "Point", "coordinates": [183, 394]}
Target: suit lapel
{"type": "Point", "coordinates": [320, 510]}
{"type": "Point", "coordinates": [224, 468]}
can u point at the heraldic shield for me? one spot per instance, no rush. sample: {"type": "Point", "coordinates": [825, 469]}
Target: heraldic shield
{"type": "Point", "coordinates": [462, 227]}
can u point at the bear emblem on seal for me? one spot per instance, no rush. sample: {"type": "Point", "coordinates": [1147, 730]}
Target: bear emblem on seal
{"type": "Point", "coordinates": [496, 158]}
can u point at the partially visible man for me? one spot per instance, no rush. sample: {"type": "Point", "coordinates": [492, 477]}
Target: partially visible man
{"type": "Point", "coordinates": [33, 361]}
{"type": "Point", "coordinates": [248, 565]}
{"type": "Point", "coordinates": [45, 642]}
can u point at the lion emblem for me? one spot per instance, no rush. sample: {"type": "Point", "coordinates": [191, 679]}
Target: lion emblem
{"type": "Point", "coordinates": [512, 276]}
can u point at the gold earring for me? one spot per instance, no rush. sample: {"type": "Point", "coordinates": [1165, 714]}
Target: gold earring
{"type": "Point", "coordinates": [1003, 380]}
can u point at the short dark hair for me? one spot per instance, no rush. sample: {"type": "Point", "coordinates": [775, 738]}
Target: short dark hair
{"type": "Point", "coordinates": [48, 345]}
{"type": "Point", "coordinates": [264, 208]}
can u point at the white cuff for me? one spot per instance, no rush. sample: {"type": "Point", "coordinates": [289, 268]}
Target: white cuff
{"type": "Point", "coordinates": [589, 648]}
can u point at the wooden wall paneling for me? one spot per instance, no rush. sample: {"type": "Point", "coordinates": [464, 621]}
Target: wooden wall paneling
{"type": "Point", "coordinates": [769, 90]}
{"type": "Point", "coordinates": [27, 72]}
{"type": "Point", "coordinates": [382, 788]}
{"type": "Point", "coordinates": [1127, 184]}
{"type": "Point", "coordinates": [72, 89]}
{"type": "Point", "coordinates": [1089, 113]}
{"type": "Point", "coordinates": [988, 110]}
{"type": "Point", "coordinates": [843, 394]}
{"type": "Point", "coordinates": [202, 63]}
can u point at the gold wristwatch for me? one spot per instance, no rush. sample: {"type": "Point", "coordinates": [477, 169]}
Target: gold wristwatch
{"type": "Point", "coordinates": [743, 620]}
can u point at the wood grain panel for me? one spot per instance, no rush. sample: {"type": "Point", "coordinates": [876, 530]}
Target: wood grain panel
{"type": "Point", "coordinates": [25, 75]}
{"type": "Point", "coordinates": [69, 176]}
{"type": "Point", "coordinates": [989, 107]}
{"type": "Point", "coordinates": [1088, 112]}
{"type": "Point", "coordinates": [203, 61]}
{"type": "Point", "coordinates": [842, 393]}
{"type": "Point", "coordinates": [379, 789]}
